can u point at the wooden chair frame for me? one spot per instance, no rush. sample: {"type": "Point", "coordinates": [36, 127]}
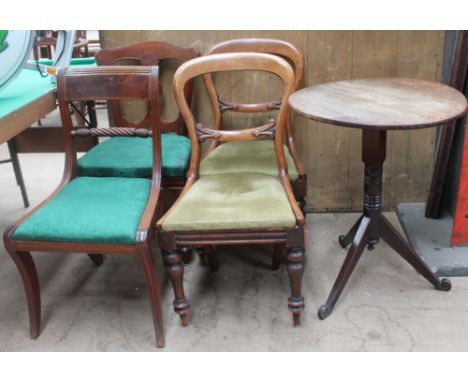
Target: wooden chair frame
{"type": "Point", "coordinates": [271, 46]}
{"type": "Point", "coordinates": [150, 53]}
{"type": "Point", "coordinates": [102, 83]}
{"type": "Point", "coordinates": [293, 239]}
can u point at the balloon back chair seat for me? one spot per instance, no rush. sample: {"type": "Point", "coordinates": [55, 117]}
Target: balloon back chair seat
{"type": "Point", "coordinates": [234, 208]}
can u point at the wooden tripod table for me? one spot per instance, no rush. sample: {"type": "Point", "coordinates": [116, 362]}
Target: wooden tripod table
{"type": "Point", "coordinates": [375, 106]}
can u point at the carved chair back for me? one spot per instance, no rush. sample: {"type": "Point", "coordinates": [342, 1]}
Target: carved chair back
{"type": "Point", "coordinates": [274, 130]}
{"type": "Point", "coordinates": [148, 54]}
{"type": "Point", "coordinates": [109, 83]}
{"type": "Point", "coordinates": [280, 48]}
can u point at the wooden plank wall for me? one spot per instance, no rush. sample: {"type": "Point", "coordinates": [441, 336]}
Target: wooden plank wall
{"type": "Point", "coordinates": [331, 155]}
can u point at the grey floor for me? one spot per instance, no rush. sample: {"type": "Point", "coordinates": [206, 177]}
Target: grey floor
{"type": "Point", "coordinates": [241, 307]}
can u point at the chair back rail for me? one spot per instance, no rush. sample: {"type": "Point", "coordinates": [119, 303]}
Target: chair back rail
{"type": "Point", "coordinates": [147, 53]}
{"type": "Point", "coordinates": [237, 62]}
{"type": "Point", "coordinates": [109, 83]}
{"type": "Point", "coordinates": [280, 48]}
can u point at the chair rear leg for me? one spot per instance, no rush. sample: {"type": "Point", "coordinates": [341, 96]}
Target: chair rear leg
{"type": "Point", "coordinates": [277, 256]}
{"type": "Point", "coordinates": [97, 259]}
{"type": "Point", "coordinates": [175, 271]}
{"type": "Point", "coordinates": [152, 282]}
{"type": "Point", "coordinates": [27, 269]}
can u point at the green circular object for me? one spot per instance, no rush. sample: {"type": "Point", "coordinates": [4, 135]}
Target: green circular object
{"type": "Point", "coordinates": [15, 48]}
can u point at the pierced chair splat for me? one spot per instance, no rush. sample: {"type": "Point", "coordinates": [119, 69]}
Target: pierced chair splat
{"type": "Point", "coordinates": [259, 155]}
{"type": "Point", "coordinates": [131, 157]}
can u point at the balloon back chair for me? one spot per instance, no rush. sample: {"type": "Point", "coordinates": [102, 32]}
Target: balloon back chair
{"type": "Point", "coordinates": [131, 156]}
{"type": "Point", "coordinates": [257, 156]}
{"type": "Point", "coordinates": [238, 208]}
{"type": "Point", "coordinates": [95, 215]}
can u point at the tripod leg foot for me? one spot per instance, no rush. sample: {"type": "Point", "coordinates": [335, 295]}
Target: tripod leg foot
{"type": "Point", "coordinates": [324, 311]}
{"type": "Point", "coordinates": [395, 240]}
{"type": "Point", "coordinates": [444, 285]}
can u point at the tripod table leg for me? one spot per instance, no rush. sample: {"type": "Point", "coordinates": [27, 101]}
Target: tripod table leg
{"type": "Point", "coordinates": [393, 238]}
{"type": "Point", "coordinates": [352, 258]}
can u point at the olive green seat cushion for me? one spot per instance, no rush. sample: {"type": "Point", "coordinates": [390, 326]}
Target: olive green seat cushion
{"type": "Point", "coordinates": [232, 201]}
{"type": "Point", "coordinates": [90, 210]}
{"type": "Point", "coordinates": [246, 156]}
{"type": "Point", "coordinates": [132, 157]}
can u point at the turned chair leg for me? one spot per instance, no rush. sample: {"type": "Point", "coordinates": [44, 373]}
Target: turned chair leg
{"type": "Point", "coordinates": [175, 271]}
{"type": "Point", "coordinates": [352, 258]}
{"type": "Point", "coordinates": [152, 282]}
{"type": "Point", "coordinates": [278, 255]}
{"type": "Point", "coordinates": [27, 269]}
{"type": "Point", "coordinates": [393, 238]}
{"type": "Point", "coordinates": [296, 258]}
{"type": "Point", "coordinates": [97, 259]}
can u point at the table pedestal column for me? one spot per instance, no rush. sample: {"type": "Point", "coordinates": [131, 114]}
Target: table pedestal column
{"type": "Point", "coordinates": [373, 225]}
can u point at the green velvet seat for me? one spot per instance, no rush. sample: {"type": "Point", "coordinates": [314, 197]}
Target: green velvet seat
{"type": "Point", "coordinates": [132, 157]}
{"type": "Point", "coordinates": [246, 156]}
{"type": "Point", "coordinates": [232, 201]}
{"type": "Point", "coordinates": [90, 210]}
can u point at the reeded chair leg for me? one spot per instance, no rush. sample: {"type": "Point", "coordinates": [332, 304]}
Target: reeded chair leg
{"type": "Point", "coordinates": [27, 269]}
{"type": "Point", "coordinates": [394, 239]}
{"type": "Point", "coordinates": [97, 259]}
{"type": "Point", "coordinates": [175, 271]}
{"type": "Point", "coordinates": [352, 258]}
{"type": "Point", "coordinates": [296, 258]}
{"type": "Point", "coordinates": [152, 282]}
{"type": "Point", "coordinates": [278, 254]}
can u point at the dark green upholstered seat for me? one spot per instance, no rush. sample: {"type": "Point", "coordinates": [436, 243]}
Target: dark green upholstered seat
{"type": "Point", "coordinates": [232, 201]}
{"type": "Point", "coordinates": [246, 156]}
{"type": "Point", "coordinates": [90, 210]}
{"type": "Point", "coordinates": [133, 157]}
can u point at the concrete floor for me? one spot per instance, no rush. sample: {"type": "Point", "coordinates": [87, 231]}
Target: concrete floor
{"type": "Point", "coordinates": [241, 307]}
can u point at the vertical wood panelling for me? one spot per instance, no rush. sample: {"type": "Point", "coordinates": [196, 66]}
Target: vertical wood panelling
{"type": "Point", "coordinates": [331, 155]}
{"type": "Point", "coordinates": [419, 56]}
{"type": "Point", "coordinates": [329, 59]}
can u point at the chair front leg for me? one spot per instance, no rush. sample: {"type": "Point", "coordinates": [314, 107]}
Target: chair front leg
{"type": "Point", "coordinates": [152, 282]}
{"type": "Point", "coordinates": [175, 271]}
{"type": "Point", "coordinates": [296, 258]}
{"type": "Point", "coordinates": [27, 269]}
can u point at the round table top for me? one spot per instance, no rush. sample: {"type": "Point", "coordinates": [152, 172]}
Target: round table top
{"type": "Point", "coordinates": [380, 103]}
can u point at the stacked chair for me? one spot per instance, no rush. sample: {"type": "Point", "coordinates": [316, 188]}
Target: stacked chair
{"type": "Point", "coordinates": [131, 157]}
{"type": "Point", "coordinates": [90, 214]}
{"type": "Point", "coordinates": [235, 207]}
{"type": "Point", "coordinates": [259, 155]}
